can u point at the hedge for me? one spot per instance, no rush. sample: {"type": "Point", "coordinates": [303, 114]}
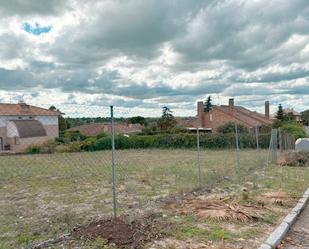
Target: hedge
{"type": "Point", "coordinates": [165, 141]}
{"type": "Point", "coordinates": [186, 140]}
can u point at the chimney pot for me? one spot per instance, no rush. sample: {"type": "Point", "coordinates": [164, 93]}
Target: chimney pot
{"type": "Point", "coordinates": [267, 109]}
{"type": "Point", "coordinates": [231, 102]}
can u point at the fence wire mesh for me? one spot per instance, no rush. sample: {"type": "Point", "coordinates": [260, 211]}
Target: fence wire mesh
{"type": "Point", "coordinates": [58, 169]}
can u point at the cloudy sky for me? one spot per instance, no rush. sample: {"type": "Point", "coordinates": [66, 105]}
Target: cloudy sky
{"type": "Point", "coordinates": [142, 54]}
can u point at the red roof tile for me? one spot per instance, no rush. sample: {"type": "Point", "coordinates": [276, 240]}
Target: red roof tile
{"type": "Point", "coordinates": [96, 128]}
{"type": "Point", "coordinates": [24, 110]}
{"type": "Point", "coordinates": [246, 116]}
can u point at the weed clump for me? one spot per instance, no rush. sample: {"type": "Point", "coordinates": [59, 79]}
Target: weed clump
{"type": "Point", "coordinates": [296, 159]}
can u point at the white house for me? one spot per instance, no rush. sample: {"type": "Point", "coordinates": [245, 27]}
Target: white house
{"type": "Point", "coordinates": [22, 125]}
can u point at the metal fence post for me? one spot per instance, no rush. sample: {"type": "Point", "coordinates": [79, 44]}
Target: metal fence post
{"type": "Point", "coordinates": [280, 139]}
{"type": "Point", "coordinates": [275, 145]}
{"type": "Point", "coordinates": [198, 155]}
{"type": "Point", "coordinates": [270, 147]}
{"type": "Point", "coordinates": [257, 154]}
{"type": "Point", "coordinates": [113, 163]}
{"type": "Point", "coordinates": [237, 151]}
{"type": "Point", "coordinates": [257, 138]}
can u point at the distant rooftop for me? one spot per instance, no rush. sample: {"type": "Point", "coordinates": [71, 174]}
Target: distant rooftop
{"type": "Point", "coordinates": [23, 109]}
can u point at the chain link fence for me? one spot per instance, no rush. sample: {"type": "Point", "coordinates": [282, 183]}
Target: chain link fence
{"type": "Point", "coordinates": [98, 165]}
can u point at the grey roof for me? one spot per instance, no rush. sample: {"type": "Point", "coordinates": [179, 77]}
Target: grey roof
{"type": "Point", "coordinates": [29, 128]}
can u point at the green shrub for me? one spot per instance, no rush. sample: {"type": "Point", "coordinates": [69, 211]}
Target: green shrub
{"type": "Point", "coordinates": [33, 149]}
{"type": "Point", "coordinates": [230, 128]}
{"type": "Point", "coordinates": [62, 148]}
{"type": "Point", "coordinates": [173, 141]}
{"type": "Point", "coordinates": [294, 129]}
{"type": "Point", "coordinates": [101, 135]}
{"type": "Point", "coordinates": [70, 136]}
{"type": "Point", "coordinates": [71, 147]}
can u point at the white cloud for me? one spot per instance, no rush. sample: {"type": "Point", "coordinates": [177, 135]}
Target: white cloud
{"type": "Point", "coordinates": [145, 53]}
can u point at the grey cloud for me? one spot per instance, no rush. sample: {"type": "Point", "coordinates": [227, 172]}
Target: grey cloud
{"type": "Point", "coordinates": [272, 77]}
{"type": "Point", "coordinates": [13, 79]}
{"type": "Point", "coordinates": [298, 90]}
{"type": "Point", "coordinates": [245, 33]}
{"type": "Point", "coordinates": [28, 7]}
{"type": "Point", "coordinates": [239, 39]}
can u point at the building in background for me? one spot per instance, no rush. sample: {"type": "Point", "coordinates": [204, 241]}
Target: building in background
{"type": "Point", "coordinates": [22, 125]}
{"type": "Point", "coordinates": [290, 113]}
{"type": "Point", "coordinates": [93, 129]}
{"type": "Point", "coordinates": [220, 115]}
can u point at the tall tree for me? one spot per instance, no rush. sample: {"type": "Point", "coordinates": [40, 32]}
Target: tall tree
{"type": "Point", "coordinates": [305, 117]}
{"type": "Point", "coordinates": [167, 120]}
{"type": "Point", "coordinates": [280, 113]}
{"type": "Point", "coordinates": [208, 104]}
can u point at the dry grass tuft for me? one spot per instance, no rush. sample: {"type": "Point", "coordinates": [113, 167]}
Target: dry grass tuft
{"type": "Point", "coordinates": [279, 198]}
{"type": "Point", "coordinates": [295, 159]}
{"type": "Point", "coordinates": [218, 210]}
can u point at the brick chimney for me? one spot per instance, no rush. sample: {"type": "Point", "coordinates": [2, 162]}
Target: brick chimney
{"type": "Point", "coordinates": [231, 105]}
{"type": "Point", "coordinates": [200, 113]}
{"type": "Point", "coordinates": [231, 102]}
{"type": "Point", "coordinates": [267, 109]}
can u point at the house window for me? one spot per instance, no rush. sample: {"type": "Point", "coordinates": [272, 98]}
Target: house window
{"type": "Point", "coordinates": [17, 142]}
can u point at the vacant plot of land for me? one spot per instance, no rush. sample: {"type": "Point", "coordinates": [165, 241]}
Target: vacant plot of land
{"type": "Point", "coordinates": [43, 196]}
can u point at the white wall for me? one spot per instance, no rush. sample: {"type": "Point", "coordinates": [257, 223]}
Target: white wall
{"type": "Point", "coordinates": [11, 130]}
{"type": "Point", "coordinates": [2, 121]}
{"type": "Point", "coordinates": [47, 120]}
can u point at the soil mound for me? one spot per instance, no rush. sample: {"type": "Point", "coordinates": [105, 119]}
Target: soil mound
{"type": "Point", "coordinates": [119, 232]}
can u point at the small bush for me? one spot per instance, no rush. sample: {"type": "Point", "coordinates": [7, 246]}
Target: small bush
{"type": "Point", "coordinates": [34, 149]}
{"type": "Point", "coordinates": [71, 147]}
{"type": "Point", "coordinates": [294, 129]}
{"type": "Point", "coordinates": [230, 128]}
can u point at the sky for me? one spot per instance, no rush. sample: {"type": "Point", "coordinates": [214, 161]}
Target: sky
{"type": "Point", "coordinates": [140, 55]}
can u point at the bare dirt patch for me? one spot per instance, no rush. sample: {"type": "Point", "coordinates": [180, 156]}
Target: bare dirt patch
{"type": "Point", "coordinates": [188, 244]}
{"type": "Point", "coordinates": [121, 233]}
{"type": "Point", "coordinates": [218, 210]}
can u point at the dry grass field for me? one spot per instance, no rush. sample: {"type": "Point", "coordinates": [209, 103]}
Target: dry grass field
{"type": "Point", "coordinates": [44, 196]}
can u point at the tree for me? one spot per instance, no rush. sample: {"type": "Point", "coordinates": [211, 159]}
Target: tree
{"type": "Point", "coordinates": [229, 127]}
{"type": "Point", "coordinates": [294, 129]}
{"type": "Point", "coordinates": [62, 123]}
{"type": "Point", "coordinates": [167, 120]}
{"type": "Point", "coordinates": [138, 120]}
{"type": "Point", "coordinates": [288, 116]}
{"type": "Point", "coordinates": [305, 117]}
{"type": "Point", "coordinates": [208, 104]}
{"type": "Point", "coordinates": [53, 108]}
{"type": "Point", "coordinates": [280, 113]}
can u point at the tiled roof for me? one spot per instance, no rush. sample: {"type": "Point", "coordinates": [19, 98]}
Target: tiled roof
{"type": "Point", "coordinates": [291, 110]}
{"type": "Point", "coordinates": [188, 122]}
{"type": "Point", "coordinates": [286, 111]}
{"type": "Point", "coordinates": [24, 110]}
{"type": "Point", "coordinates": [96, 128]}
{"type": "Point", "coordinates": [246, 116]}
